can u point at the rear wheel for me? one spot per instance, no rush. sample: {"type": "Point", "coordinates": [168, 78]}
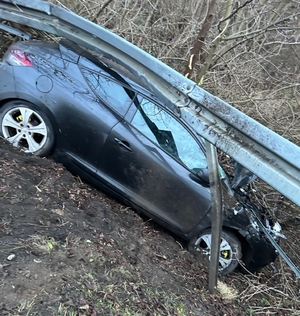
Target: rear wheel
{"type": "Point", "coordinates": [27, 127]}
{"type": "Point", "coordinates": [230, 249]}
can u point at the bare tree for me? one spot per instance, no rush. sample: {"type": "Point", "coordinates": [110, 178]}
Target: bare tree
{"type": "Point", "coordinates": [199, 44]}
{"type": "Point", "coordinates": [246, 52]}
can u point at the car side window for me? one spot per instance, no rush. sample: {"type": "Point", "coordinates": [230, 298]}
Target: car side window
{"type": "Point", "coordinates": [112, 93]}
{"type": "Point", "coordinates": [167, 132]}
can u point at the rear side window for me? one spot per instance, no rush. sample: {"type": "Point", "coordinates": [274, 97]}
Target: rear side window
{"type": "Point", "coordinates": [111, 93]}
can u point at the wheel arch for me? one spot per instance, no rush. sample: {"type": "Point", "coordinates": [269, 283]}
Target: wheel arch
{"type": "Point", "coordinates": [40, 106]}
{"type": "Point", "coordinates": [247, 251]}
{"type": "Point", "coordinates": [37, 103]}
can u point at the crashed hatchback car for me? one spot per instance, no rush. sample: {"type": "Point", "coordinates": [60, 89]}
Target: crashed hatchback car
{"type": "Point", "coordinates": [90, 114]}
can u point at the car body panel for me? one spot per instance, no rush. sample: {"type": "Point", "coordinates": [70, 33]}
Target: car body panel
{"type": "Point", "coordinates": [76, 109]}
{"type": "Point", "coordinates": [7, 82]}
{"type": "Point", "coordinates": [151, 177]}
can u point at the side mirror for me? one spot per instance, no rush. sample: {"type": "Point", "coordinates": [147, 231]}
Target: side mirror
{"type": "Point", "coordinates": [203, 174]}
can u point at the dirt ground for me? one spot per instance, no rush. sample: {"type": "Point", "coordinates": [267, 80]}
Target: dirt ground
{"type": "Point", "coordinates": [68, 249]}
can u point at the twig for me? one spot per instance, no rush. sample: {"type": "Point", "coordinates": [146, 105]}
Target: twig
{"type": "Point", "coordinates": [105, 4]}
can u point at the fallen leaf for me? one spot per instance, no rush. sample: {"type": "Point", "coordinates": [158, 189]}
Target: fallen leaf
{"type": "Point", "coordinates": [58, 211]}
{"type": "Point", "coordinates": [90, 286]}
{"type": "Point", "coordinates": [85, 307]}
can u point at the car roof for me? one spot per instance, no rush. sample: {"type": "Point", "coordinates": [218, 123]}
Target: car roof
{"type": "Point", "coordinates": [116, 70]}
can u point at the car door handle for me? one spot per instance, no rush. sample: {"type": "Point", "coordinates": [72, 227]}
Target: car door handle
{"type": "Point", "coordinates": [123, 144]}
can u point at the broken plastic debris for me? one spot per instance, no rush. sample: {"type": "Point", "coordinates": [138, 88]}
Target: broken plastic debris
{"type": "Point", "coordinates": [11, 257]}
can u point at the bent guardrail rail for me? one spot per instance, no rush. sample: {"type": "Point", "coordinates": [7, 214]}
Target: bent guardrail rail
{"type": "Point", "coordinates": [268, 155]}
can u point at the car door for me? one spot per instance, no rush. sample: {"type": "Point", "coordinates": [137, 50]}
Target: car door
{"type": "Point", "coordinates": [152, 160]}
{"type": "Point", "coordinates": [87, 128]}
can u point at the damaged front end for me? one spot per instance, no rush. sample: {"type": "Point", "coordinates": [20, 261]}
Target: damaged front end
{"type": "Point", "coordinates": [258, 250]}
{"type": "Point", "coordinates": [259, 231]}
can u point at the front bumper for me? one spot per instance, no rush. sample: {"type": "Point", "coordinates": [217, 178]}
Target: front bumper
{"type": "Point", "coordinates": [257, 249]}
{"type": "Point", "coordinates": [262, 253]}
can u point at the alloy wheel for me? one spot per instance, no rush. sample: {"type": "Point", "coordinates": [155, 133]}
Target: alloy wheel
{"type": "Point", "coordinates": [25, 128]}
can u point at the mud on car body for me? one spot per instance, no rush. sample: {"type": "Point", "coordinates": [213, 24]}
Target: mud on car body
{"type": "Point", "coordinates": [104, 125]}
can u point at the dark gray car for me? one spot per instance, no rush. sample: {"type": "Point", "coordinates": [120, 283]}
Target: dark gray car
{"type": "Point", "coordinates": [59, 99]}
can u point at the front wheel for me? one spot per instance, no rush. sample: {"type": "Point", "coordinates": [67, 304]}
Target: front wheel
{"type": "Point", "coordinates": [27, 127]}
{"type": "Point", "coordinates": [230, 249]}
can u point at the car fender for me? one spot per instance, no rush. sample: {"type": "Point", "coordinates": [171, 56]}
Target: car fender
{"type": "Point", "coordinates": [14, 96]}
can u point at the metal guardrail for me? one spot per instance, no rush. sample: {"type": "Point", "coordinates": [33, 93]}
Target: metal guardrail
{"type": "Point", "coordinates": [268, 155]}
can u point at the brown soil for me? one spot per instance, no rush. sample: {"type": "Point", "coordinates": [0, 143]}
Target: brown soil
{"type": "Point", "coordinates": [78, 252]}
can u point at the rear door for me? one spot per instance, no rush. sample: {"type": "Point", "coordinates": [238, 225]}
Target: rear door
{"type": "Point", "coordinates": [152, 159]}
{"type": "Point", "coordinates": [88, 125]}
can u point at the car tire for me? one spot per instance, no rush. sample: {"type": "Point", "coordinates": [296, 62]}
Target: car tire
{"type": "Point", "coordinates": [25, 126]}
{"type": "Point", "coordinates": [230, 249]}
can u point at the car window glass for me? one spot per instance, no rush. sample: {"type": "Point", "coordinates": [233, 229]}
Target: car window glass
{"type": "Point", "coordinates": [113, 94]}
{"type": "Point", "coordinates": [168, 133]}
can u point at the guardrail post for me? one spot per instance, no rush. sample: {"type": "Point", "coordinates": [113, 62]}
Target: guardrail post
{"type": "Point", "coordinates": [216, 214]}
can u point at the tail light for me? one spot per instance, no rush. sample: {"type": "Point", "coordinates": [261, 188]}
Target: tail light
{"type": "Point", "coordinates": [17, 57]}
